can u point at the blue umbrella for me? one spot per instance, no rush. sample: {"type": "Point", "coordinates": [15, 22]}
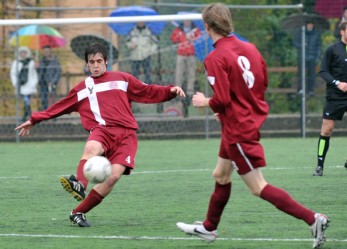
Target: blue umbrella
{"type": "Point", "coordinates": [204, 45]}
{"type": "Point", "coordinates": [134, 10]}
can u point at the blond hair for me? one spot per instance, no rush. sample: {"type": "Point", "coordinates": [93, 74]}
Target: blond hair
{"type": "Point", "coordinates": [218, 17]}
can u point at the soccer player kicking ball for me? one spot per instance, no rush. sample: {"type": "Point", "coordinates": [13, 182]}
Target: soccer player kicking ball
{"type": "Point", "coordinates": [237, 73]}
{"type": "Point", "coordinates": [103, 101]}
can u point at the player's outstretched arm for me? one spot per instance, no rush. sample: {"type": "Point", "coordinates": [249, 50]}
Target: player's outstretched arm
{"type": "Point", "coordinates": [24, 128]}
{"type": "Point", "coordinates": [179, 91]}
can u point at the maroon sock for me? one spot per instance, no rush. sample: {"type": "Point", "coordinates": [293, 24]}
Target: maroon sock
{"type": "Point", "coordinates": [219, 199]}
{"type": "Point", "coordinates": [284, 202]}
{"type": "Point", "coordinates": [92, 200]}
{"type": "Point", "coordinates": [80, 176]}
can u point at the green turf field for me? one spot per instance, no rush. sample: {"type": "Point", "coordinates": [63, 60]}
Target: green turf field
{"type": "Point", "coordinates": [172, 182]}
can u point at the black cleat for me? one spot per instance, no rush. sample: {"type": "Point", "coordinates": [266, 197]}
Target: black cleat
{"type": "Point", "coordinates": [74, 187]}
{"type": "Point", "coordinates": [318, 171]}
{"type": "Point", "coordinates": [79, 219]}
{"type": "Point", "coordinates": [346, 164]}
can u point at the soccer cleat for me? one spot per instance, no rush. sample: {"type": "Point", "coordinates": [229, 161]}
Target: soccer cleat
{"type": "Point", "coordinates": [318, 171]}
{"type": "Point", "coordinates": [199, 230]}
{"type": "Point", "coordinates": [79, 219]}
{"type": "Point", "coordinates": [346, 164]}
{"type": "Point", "coordinates": [74, 187]}
{"type": "Point", "coordinates": [318, 228]}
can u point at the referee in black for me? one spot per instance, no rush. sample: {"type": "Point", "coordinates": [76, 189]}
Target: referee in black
{"type": "Point", "coordinates": [334, 72]}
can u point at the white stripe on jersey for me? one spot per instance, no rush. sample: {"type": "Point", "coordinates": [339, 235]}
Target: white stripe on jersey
{"type": "Point", "coordinates": [211, 80]}
{"type": "Point", "coordinates": [244, 156]}
{"type": "Point", "coordinates": [91, 90]}
{"type": "Point", "coordinates": [106, 86]}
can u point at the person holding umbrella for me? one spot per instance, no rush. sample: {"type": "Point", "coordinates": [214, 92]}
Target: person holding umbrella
{"type": "Point", "coordinates": [313, 48]}
{"type": "Point", "coordinates": [142, 44]}
{"type": "Point", "coordinates": [103, 101]}
{"type": "Point", "coordinates": [49, 71]}
{"type": "Point", "coordinates": [24, 77]}
{"type": "Point", "coordinates": [184, 36]}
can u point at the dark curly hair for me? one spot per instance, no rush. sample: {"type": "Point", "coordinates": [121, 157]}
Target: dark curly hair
{"type": "Point", "coordinates": [95, 48]}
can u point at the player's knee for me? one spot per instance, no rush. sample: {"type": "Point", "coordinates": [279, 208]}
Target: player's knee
{"type": "Point", "coordinates": [90, 151]}
{"type": "Point", "coordinates": [326, 132]}
{"type": "Point", "coordinates": [221, 178]}
{"type": "Point", "coordinates": [92, 148]}
{"type": "Point", "coordinates": [327, 127]}
{"type": "Point", "coordinates": [113, 179]}
{"type": "Point", "coordinates": [256, 189]}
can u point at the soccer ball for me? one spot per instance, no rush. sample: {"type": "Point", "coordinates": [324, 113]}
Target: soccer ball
{"type": "Point", "coordinates": [97, 169]}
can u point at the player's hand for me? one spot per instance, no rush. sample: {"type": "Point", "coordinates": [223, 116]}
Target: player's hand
{"type": "Point", "coordinates": [179, 91]}
{"type": "Point", "coordinates": [199, 100]}
{"type": "Point", "coordinates": [342, 86]}
{"type": "Point", "coordinates": [25, 128]}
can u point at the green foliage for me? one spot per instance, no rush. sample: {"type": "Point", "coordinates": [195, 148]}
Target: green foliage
{"type": "Point", "coordinates": [260, 26]}
{"type": "Point", "coordinates": [6, 93]}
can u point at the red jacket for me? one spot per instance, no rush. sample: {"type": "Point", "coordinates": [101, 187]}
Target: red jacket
{"type": "Point", "coordinates": [185, 40]}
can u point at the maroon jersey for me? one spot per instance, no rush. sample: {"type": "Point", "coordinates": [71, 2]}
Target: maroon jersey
{"type": "Point", "coordinates": [106, 100]}
{"type": "Point", "coordinates": [238, 75]}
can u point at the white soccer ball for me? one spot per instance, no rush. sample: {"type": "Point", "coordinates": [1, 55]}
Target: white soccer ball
{"type": "Point", "coordinates": [97, 169]}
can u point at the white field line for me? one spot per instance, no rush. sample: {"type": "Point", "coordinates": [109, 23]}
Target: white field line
{"type": "Point", "coordinates": [154, 237]}
{"type": "Point", "coordinates": [15, 177]}
{"type": "Point", "coordinates": [175, 171]}
{"type": "Point", "coordinates": [169, 171]}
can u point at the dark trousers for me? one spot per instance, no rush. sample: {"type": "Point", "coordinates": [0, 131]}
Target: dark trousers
{"type": "Point", "coordinates": [27, 107]}
{"type": "Point", "coordinates": [44, 96]}
{"type": "Point", "coordinates": [310, 75]}
{"type": "Point", "coordinates": [46, 92]}
{"type": "Point", "coordinates": [146, 65]}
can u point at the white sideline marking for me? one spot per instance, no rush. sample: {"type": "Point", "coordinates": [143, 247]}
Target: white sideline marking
{"type": "Point", "coordinates": [14, 177]}
{"type": "Point", "coordinates": [170, 171]}
{"type": "Point", "coordinates": [175, 171]}
{"type": "Point", "coordinates": [152, 238]}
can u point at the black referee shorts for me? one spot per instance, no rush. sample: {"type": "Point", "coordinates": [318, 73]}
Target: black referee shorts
{"type": "Point", "coordinates": [334, 109]}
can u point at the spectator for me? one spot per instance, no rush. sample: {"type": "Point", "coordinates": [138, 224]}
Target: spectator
{"type": "Point", "coordinates": [142, 44]}
{"type": "Point", "coordinates": [184, 35]}
{"type": "Point", "coordinates": [313, 46]}
{"type": "Point", "coordinates": [337, 26]}
{"type": "Point", "coordinates": [23, 72]}
{"type": "Point", "coordinates": [49, 71]}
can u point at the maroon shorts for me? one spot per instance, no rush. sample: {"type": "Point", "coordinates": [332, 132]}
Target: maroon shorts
{"type": "Point", "coordinates": [246, 155]}
{"type": "Point", "coordinates": [119, 144]}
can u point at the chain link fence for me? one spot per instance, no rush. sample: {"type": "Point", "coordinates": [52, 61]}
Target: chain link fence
{"type": "Point", "coordinates": [157, 64]}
